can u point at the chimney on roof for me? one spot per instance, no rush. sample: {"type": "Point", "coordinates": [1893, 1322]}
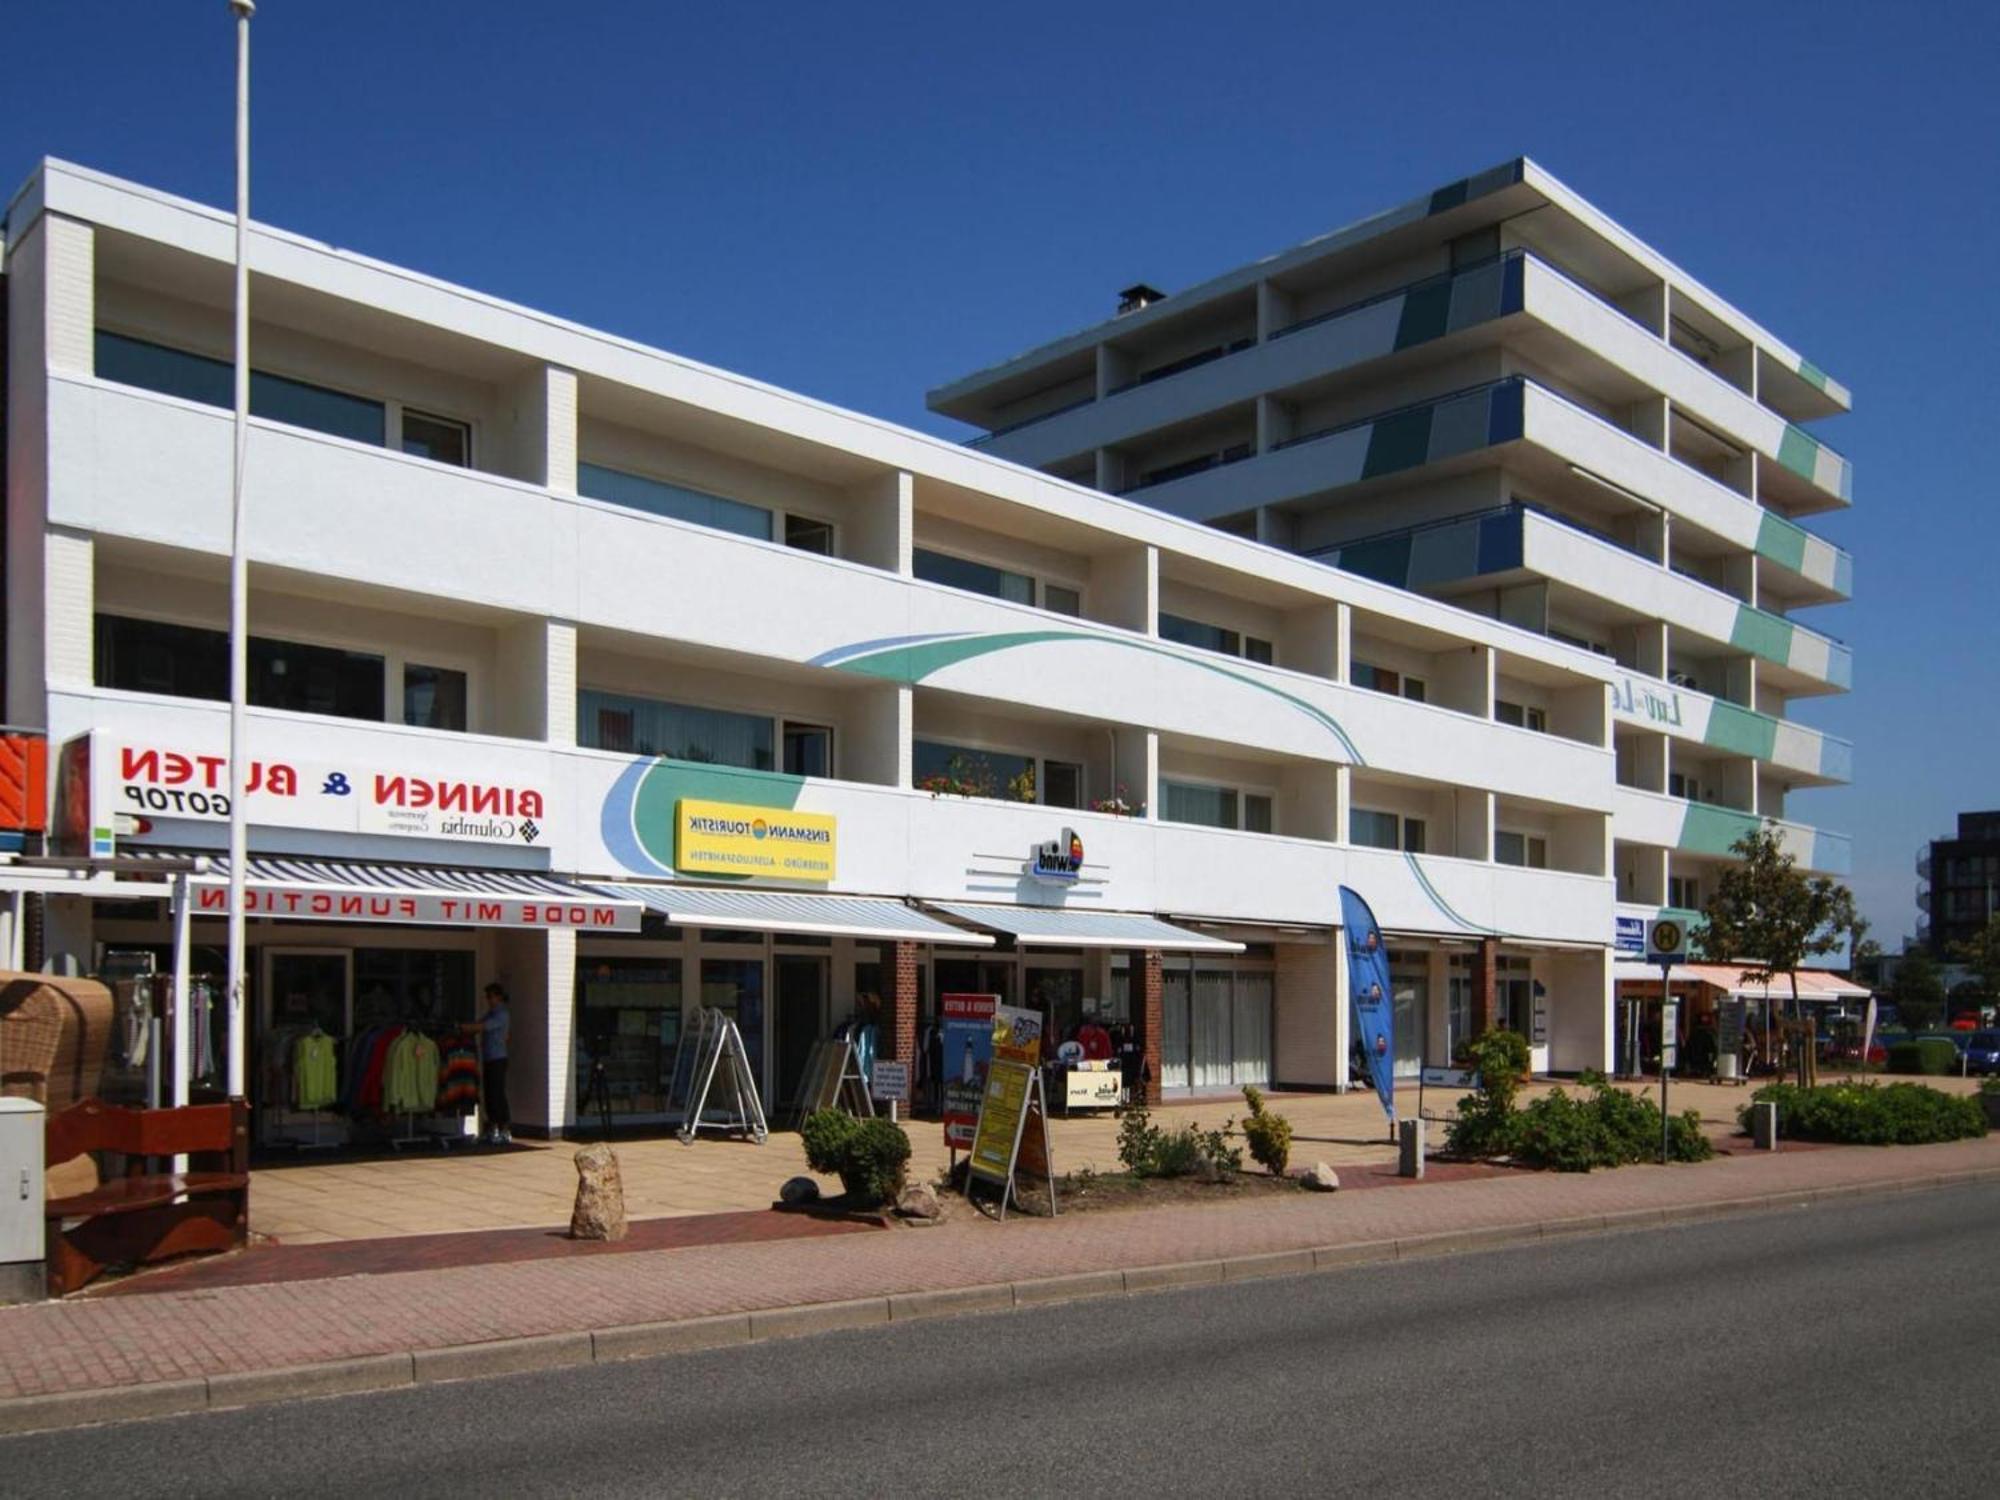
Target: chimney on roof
{"type": "Point", "coordinates": [1137, 296]}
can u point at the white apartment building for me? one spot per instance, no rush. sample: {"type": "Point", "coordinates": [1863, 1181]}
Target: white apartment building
{"type": "Point", "coordinates": [540, 616]}
{"type": "Point", "coordinates": [1494, 395]}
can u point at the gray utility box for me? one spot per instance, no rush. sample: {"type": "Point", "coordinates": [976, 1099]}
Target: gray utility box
{"type": "Point", "coordinates": [21, 1201]}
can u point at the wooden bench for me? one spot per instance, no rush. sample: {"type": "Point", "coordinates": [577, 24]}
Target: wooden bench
{"type": "Point", "coordinates": [147, 1215]}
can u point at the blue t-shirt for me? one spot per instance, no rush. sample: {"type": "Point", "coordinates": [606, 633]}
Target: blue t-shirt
{"type": "Point", "coordinates": [493, 1038]}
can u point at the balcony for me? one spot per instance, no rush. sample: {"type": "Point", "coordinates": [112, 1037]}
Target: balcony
{"type": "Point", "coordinates": [1516, 543]}
{"type": "Point", "coordinates": [1815, 757]}
{"type": "Point", "coordinates": [1702, 829]}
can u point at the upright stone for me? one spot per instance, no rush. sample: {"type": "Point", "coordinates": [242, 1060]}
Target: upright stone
{"type": "Point", "coordinates": [600, 1196]}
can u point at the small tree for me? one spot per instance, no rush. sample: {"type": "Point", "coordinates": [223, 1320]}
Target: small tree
{"type": "Point", "coordinates": [1918, 990]}
{"type": "Point", "coordinates": [1769, 918]}
{"type": "Point", "coordinates": [1981, 952]}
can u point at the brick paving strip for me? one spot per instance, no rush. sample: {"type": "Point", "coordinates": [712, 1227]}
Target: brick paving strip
{"type": "Point", "coordinates": [67, 1364]}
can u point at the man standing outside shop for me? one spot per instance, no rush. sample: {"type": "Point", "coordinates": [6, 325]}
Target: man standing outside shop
{"type": "Point", "coordinates": [495, 1022]}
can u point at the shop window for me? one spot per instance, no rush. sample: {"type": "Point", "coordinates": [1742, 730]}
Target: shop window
{"type": "Point", "coordinates": [1521, 716]}
{"type": "Point", "coordinates": [974, 577]}
{"type": "Point", "coordinates": [679, 731]}
{"type": "Point", "coordinates": [1062, 783]}
{"type": "Point", "coordinates": [677, 502]}
{"type": "Point", "coordinates": [1529, 850]}
{"type": "Point", "coordinates": [439, 439]}
{"type": "Point", "coordinates": [416, 986]}
{"type": "Point", "coordinates": [433, 697]}
{"type": "Point", "coordinates": [195, 377]}
{"type": "Point", "coordinates": [808, 750]}
{"type": "Point", "coordinates": [187, 661]}
{"type": "Point", "coordinates": [628, 1021]}
{"type": "Point", "coordinates": [808, 534]}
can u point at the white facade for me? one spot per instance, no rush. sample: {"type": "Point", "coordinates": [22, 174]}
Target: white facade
{"type": "Point", "coordinates": [558, 626]}
{"type": "Point", "coordinates": [1494, 395]}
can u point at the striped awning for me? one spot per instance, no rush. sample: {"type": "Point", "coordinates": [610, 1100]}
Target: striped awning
{"type": "Point", "coordinates": [1059, 927]}
{"type": "Point", "coordinates": [348, 890]}
{"type": "Point", "coordinates": [795, 911]}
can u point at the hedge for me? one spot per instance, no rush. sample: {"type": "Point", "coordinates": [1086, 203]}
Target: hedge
{"type": "Point", "coordinates": [1931, 1055]}
{"type": "Point", "coordinates": [1867, 1114]}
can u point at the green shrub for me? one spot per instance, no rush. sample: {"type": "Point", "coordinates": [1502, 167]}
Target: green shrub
{"type": "Point", "coordinates": [1608, 1128]}
{"type": "Point", "coordinates": [1485, 1123]}
{"type": "Point", "coordinates": [1931, 1055]}
{"type": "Point", "coordinates": [1869, 1114]}
{"type": "Point", "coordinates": [870, 1157]}
{"type": "Point", "coordinates": [1268, 1135]}
{"type": "Point", "coordinates": [1991, 1085]}
{"type": "Point", "coordinates": [1145, 1150]}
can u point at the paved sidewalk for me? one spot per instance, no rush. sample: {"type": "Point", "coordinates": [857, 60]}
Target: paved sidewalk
{"type": "Point", "coordinates": [207, 1339]}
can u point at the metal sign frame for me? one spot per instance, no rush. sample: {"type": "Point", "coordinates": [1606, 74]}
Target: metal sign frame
{"type": "Point", "coordinates": [1035, 1103]}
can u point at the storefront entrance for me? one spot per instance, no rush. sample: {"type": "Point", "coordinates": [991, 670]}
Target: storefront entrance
{"type": "Point", "coordinates": [799, 995]}
{"type": "Point", "coordinates": [1215, 1030]}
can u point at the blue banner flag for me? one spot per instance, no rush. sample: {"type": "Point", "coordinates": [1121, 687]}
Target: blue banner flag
{"type": "Point", "coordinates": [1374, 1001]}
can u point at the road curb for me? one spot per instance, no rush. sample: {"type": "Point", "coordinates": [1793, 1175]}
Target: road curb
{"type": "Point", "coordinates": [395, 1371]}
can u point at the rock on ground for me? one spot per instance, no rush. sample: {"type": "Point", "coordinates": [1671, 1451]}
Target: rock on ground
{"type": "Point", "coordinates": [919, 1201]}
{"type": "Point", "coordinates": [1320, 1178]}
{"type": "Point", "coordinates": [799, 1190]}
{"type": "Point", "coordinates": [600, 1196]}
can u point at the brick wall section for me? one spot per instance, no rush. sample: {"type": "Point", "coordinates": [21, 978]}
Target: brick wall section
{"type": "Point", "coordinates": [898, 1039]}
{"type": "Point", "coordinates": [1146, 1014]}
{"type": "Point", "coordinates": [1485, 971]}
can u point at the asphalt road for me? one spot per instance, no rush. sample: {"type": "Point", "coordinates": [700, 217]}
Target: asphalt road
{"type": "Point", "coordinates": [1835, 1350]}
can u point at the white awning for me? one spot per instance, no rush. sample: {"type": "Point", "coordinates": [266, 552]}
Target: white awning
{"type": "Point", "coordinates": [1059, 927]}
{"type": "Point", "coordinates": [345, 890]}
{"type": "Point", "coordinates": [795, 911]}
{"type": "Point", "coordinates": [1814, 984]}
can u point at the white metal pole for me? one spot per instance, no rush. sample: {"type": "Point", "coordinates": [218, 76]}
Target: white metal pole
{"type": "Point", "coordinates": [183, 1029]}
{"type": "Point", "coordinates": [239, 573]}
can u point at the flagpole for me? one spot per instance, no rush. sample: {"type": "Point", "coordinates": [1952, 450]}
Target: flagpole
{"type": "Point", "coordinates": [239, 572]}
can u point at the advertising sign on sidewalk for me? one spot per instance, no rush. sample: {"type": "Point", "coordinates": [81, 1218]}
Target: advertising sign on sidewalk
{"type": "Point", "coordinates": [967, 1038]}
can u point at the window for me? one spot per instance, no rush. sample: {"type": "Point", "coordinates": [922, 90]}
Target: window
{"type": "Point", "coordinates": [808, 750]}
{"type": "Point", "coordinates": [188, 661]}
{"type": "Point", "coordinates": [433, 697]}
{"type": "Point", "coordinates": [1684, 891]}
{"type": "Point", "coordinates": [1208, 637]}
{"type": "Point", "coordinates": [1529, 850]}
{"type": "Point", "coordinates": [1521, 716]}
{"type": "Point", "coordinates": [1062, 783]}
{"type": "Point", "coordinates": [439, 439]}
{"type": "Point", "coordinates": [1061, 600]}
{"type": "Point", "coordinates": [964, 771]}
{"type": "Point", "coordinates": [1364, 674]}
{"type": "Point", "coordinates": [974, 577]}
{"type": "Point", "coordinates": [195, 377]}
{"type": "Point", "coordinates": [806, 534]}
{"type": "Point", "coordinates": [675, 501]}
{"type": "Point", "coordinates": [1256, 813]}
{"type": "Point", "coordinates": [1370, 829]}
{"type": "Point", "coordinates": [1208, 806]}
{"type": "Point", "coordinates": [679, 731]}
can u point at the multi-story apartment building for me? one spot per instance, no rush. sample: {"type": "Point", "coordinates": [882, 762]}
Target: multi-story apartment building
{"type": "Point", "coordinates": [637, 684]}
{"type": "Point", "coordinates": [1496, 397]}
{"type": "Point", "coordinates": [1959, 884]}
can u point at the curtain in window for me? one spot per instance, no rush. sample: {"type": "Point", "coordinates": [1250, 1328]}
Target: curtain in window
{"type": "Point", "coordinates": [1251, 1029]}
{"type": "Point", "coordinates": [1212, 1067]}
{"type": "Point", "coordinates": [1174, 1030]}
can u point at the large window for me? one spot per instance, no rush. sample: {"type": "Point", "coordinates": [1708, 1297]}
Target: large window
{"type": "Point", "coordinates": [967, 771]}
{"type": "Point", "coordinates": [440, 439]}
{"type": "Point", "coordinates": [1382, 680]}
{"type": "Point", "coordinates": [195, 377]}
{"type": "Point", "coordinates": [679, 731]}
{"type": "Point", "coordinates": [808, 750]}
{"type": "Point", "coordinates": [627, 1024]}
{"type": "Point", "coordinates": [1521, 715]}
{"type": "Point", "coordinates": [676, 501]}
{"type": "Point", "coordinates": [1530, 850]}
{"type": "Point", "coordinates": [974, 577]}
{"type": "Point", "coordinates": [1213, 638]}
{"type": "Point", "coordinates": [1217, 806]}
{"type": "Point", "coordinates": [188, 661]}
{"type": "Point", "coordinates": [1372, 829]}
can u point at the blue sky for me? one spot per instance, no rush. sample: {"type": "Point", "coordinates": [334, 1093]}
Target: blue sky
{"type": "Point", "coordinates": [860, 201]}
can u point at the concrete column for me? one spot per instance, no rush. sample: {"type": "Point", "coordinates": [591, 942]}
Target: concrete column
{"type": "Point", "coordinates": [1650, 420]}
{"type": "Point", "coordinates": [1343, 1011]}
{"type": "Point", "coordinates": [1124, 589]}
{"type": "Point", "coordinates": [536, 694]}
{"type": "Point", "coordinates": [1462, 678]}
{"type": "Point", "coordinates": [898, 1038]}
{"type": "Point", "coordinates": [1472, 816]}
{"type": "Point", "coordinates": [1343, 806]}
{"type": "Point", "coordinates": [1309, 640]}
{"type": "Point", "coordinates": [1582, 713]}
{"type": "Point", "coordinates": [1136, 767]}
{"type": "Point", "coordinates": [542, 445]}
{"type": "Point", "coordinates": [880, 533]}
{"type": "Point", "coordinates": [1309, 805]}
{"type": "Point", "coordinates": [1111, 471]}
{"type": "Point", "coordinates": [1114, 369]}
{"type": "Point", "coordinates": [1275, 310]}
{"type": "Point", "coordinates": [1277, 423]}
{"type": "Point", "coordinates": [876, 746]}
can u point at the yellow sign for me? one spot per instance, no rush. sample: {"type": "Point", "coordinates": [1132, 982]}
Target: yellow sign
{"type": "Point", "coordinates": [1000, 1119]}
{"type": "Point", "coordinates": [723, 838]}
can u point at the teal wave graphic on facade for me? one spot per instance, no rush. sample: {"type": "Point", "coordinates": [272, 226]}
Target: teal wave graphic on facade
{"type": "Point", "coordinates": [1436, 899]}
{"type": "Point", "coordinates": [915, 658]}
{"type": "Point", "coordinates": [637, 822]}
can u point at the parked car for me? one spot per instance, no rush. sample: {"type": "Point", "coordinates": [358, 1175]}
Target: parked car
{"type": "Point", "coordinates": [1982, 1053]}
